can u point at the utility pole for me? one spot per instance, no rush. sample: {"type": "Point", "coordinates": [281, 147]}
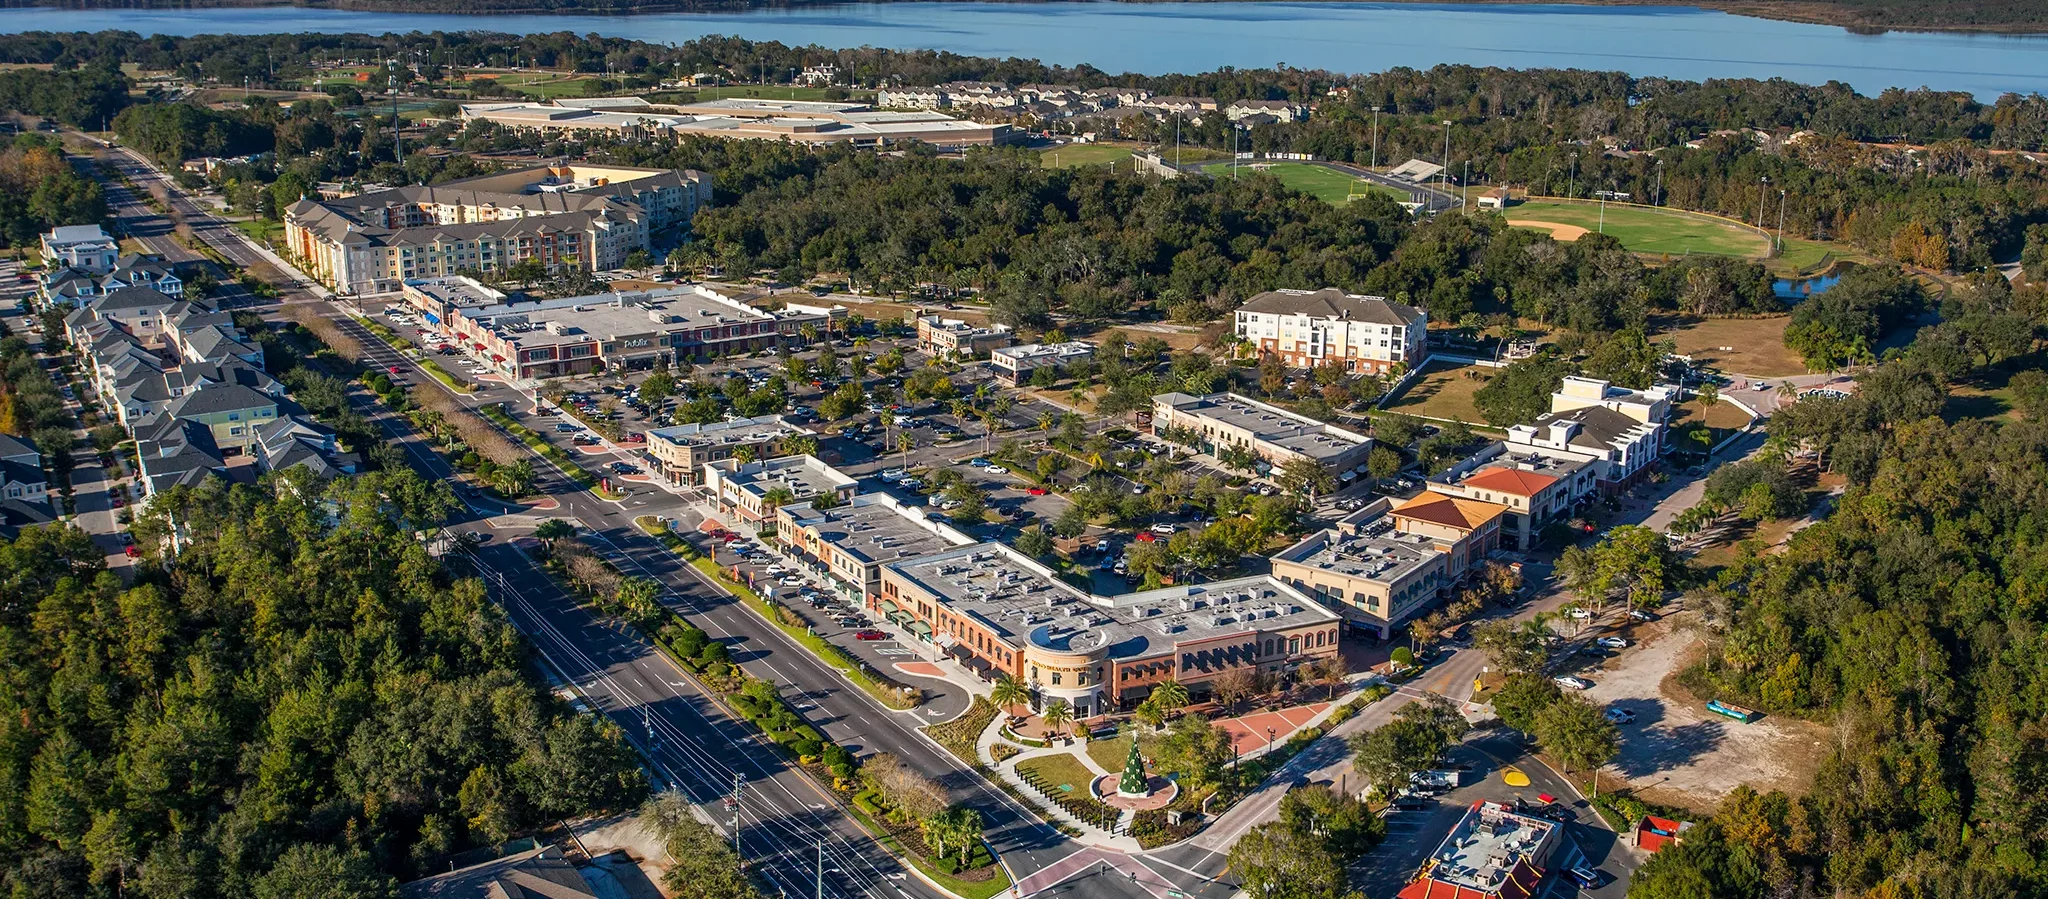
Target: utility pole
{"type": "Point", "coordinates": [821, 868]}
{"type": "Point", "coordinates": [1375, 138]}
{"type": "Point", "coordinates": [1660, 183]}
{"type": "Point", "coordinates": [1444, 180]}
{"type": "Point", "coordinates": [1571, 181]}
{"type": "Point", "coordinates": [738, 781]}
{"type": "Point", "coordinates": [1465, 194]}
{"type": "Point", "coordinates": [1176, 141]}
{"type": "Point", "coordinates": [1761, 194]}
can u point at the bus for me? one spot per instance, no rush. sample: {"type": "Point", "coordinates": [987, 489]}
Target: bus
{"type": "Point", "coordinates": [1733, 711]}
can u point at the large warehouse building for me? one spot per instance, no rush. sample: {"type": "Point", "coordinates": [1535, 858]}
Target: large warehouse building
{"type": "Point", "coordinates": [567, 214]}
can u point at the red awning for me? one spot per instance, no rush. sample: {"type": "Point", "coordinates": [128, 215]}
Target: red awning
{"type": "Point", "coordinates": [461, 336]}
{"type": "Point", "coordinates": [477, 345]}
{"type": "Point", "coordinates": [497, 358]}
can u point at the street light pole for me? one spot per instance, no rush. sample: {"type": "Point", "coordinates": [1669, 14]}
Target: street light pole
{"type": "Point", "coordinates": [1375, 138]}
{"type": "Point", "coordinates": [1444, 181]}
{"type": "Point", "coordinates": [1762, 193]}
{"type": "Point", "coordinates": [1781, 221]}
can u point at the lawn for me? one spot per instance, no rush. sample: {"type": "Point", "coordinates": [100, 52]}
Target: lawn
{"type": "Point", "coordinates": [1755, 346]}
{"type": "Point", "coordinates": [1645, 229]}
{"type": "Point", "coordinates": [773, 92]}
{"type": "Point", "coordinates": [1110, 753]}
{"type": "Point", "coordinates": [1061, 773]}
{"type": "Point", "coordinates": [1329, 185]}
{"type": "Point", "coordinates": [1443, 392]}
{"type": "Point", "coordinates": [1076, 155]}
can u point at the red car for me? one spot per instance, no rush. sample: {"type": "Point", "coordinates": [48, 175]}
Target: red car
{"type": "Point", "coordinates": [870, 635]}
{"type": "Point", "coordinates": [396, 370]}
{"type": "Point", "coordinates": [134, 552]}
{"type": "Point", "coordinates": [1146, 537]}
{"type": "Point", "coordinates": [119, 502]}
{"type": "Point", "coordinates": [1035, 491]}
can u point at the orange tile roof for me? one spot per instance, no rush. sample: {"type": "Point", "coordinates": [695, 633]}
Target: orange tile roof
{"type": "Point", "coordinates": [1450, 511]}
{"type": "Point", "coordinates": [1511, 480]}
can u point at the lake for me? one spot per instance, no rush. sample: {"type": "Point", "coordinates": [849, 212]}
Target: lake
{"type": "Point", "coordinates": [1157, 38]}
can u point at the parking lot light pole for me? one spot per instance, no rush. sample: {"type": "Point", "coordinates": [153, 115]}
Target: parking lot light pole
{"type": "Point", "coordinates": [1375, 139]}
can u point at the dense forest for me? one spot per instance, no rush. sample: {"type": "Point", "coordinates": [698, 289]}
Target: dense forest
{"type": "Point", "coordinates": [302, 703]}
{"type": "Point", "coordinates": [39, 190]}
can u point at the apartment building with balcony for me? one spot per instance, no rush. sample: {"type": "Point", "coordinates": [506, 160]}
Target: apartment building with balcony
{"type": "Point", "coordinates": [1307, 328]}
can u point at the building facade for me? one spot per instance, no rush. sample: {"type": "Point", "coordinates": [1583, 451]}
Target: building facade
{"type": "Point", "coordinates": [681, 452]}
{"type": "Point", "coordinates": [1537, 490]}
{"type": "Point", "coordinates": [614, 332]}
{"type": "Point", "coordinates": [949, 338]}
{"type": "Point", "coordinates": [1307, 328]}
{"type": "Point", "coordinates": [1221, 420]}
{"type": "Point", "coordinates": [1014, 365]}
{"type": "Point", "coordinates": [83, 247]}
{"type": "Point", "coordinates": [585, 216]}
{"type": "Point", "coordinates": [849, 544]}
{"type": "Point", "coordinates": [750, 492]}
{"type": "Point", "coordinates": [1002, 613]}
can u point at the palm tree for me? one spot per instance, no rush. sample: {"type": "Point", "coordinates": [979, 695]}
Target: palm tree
{"type": "Point", "coordinates": [744, 455]}
{"type": "Point", "coordinates": [989, 420]}
{"type": "Point", "coordinates": [809, 333]}
{"type": "Point", "coordinates": [1008, 694]}
{"type": "Point", "coordinates": [1057, 714]}
{"type": "Point", "coordinates": [801, 445]}
{"type": "Point", "coordinates": [888, 420]}
{"type": "Point", "coordinates": [1046, 420]}
{"type": "Point", "coordinates": [1172, 696]}
{"type": "Point", "coordinates": [903, 444]}
{"type": "Point", "coordinates": [776, 497]}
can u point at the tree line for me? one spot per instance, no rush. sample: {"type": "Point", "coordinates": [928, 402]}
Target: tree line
{"type": "Point", "coordinates": [300, 702]}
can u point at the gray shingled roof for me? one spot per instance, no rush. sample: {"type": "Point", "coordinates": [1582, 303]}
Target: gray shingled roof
{"type": "Point", "coordinates": [1333, 303]}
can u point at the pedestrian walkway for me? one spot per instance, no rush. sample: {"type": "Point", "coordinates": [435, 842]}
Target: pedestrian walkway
{"type": "Point", "coordinates": [1258, 731]}
{"type": "Point", "coordinates": [1089, 834]}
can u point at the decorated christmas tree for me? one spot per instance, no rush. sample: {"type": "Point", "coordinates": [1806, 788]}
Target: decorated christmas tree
{"type": "Point", "coordinates": [1132, 783]}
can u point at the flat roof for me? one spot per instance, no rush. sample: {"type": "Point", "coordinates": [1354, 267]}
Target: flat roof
{"type": "Point", "coordinates": [741, 431]}
{"type": "Point", "coordinates": [1375, 553]}
{"type": "Point", "coordinates": [1035, 351]}
{"type": "Point", "coordinates": [1270, 424]}
{"type": "Point", "coordinates": [1487, 845]}
{"type": "Point", "coordinates": [876, 528]}
{"type": "Point", "coordinates": [611, 315]}
{"type": "Point", "coordinates": [456, 290]}
{"type": "Point", "coordinates": [804, 476]}
{"type": "Point", "coordinates": [1021, 600]}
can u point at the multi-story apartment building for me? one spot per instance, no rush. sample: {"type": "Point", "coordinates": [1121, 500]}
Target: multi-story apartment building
{"type": "Point", "coordinates": [1001, 613]}
{"type": "Point", "coordinates": [1278, 436]}
{"type": "Point", "coordinates": [581, 215]}
{"type": "Point", "coordinates": [1305, 328]}
{"type": "Point", "coordinates": [1652, 406]}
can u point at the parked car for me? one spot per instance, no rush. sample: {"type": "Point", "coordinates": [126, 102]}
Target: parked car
{"type": "Point", "coordinates": [996, 469]}
{"type": "Point", "coordinates": [1147, 537]}
{"type": "Point", "coordinates": [979, 462]}
{"type": "Point", "coordinates": [132, 551]}
{"type": "Point", "coordinates": [848, 621]}
{"type": "Point", "coordinates": [1164, 530]}
{"type": "Point", "coordinates": [1613, 642]}
{"type": "Point", "coordinates": [1619, 715]}
{"type": "Point", "coordinates": [1572, 683]}
{"type": "Point", "coordinates": [1036, 491]}
{"type": "Point", "coordinates": [1578, 614]}
{"type": "Point", "coordinates": [870, 635]}
{"type": "Point", "coordinates": [791, 581]}
{"type": "Point", "coordinates": [1641, 615]}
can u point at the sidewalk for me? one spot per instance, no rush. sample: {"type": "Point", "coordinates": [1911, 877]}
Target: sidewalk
{"type": "Point", "coordinates": [1090, 834]}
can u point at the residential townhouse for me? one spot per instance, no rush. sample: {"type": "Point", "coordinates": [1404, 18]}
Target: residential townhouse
{"type": "Point", "coordinates": [84, 247]}
{"type": "Point", "coordinates": [71, 287]}
{"type": "Point", "coordinates": [21, 472]}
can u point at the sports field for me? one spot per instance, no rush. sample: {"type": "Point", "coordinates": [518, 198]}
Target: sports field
{"type": "Point", "coordinates": [1076, 155]}
{"type": "Point", "coordinates": [1328, 185]}
{"type": "Point", "coordinates": [1640, 228]}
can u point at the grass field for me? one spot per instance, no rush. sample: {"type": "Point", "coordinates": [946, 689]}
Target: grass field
{"type": "Point", "coordinates": [1756, 345]}
{"type": "Point", "coordinates": [1647, 230]}
{"type": "Point", "coordinates": [1060, 773]}
{"type": "Point", "coordinates": [1328, 185]}
{"type": "Point", "coordinates": [1443, 391]}
{"type": "Point", "coordinates": [1077, 155]}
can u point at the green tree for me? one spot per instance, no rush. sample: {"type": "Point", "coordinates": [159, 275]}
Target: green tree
{"type": "Point", "coordinates": [1057, 715]}
{"type": "Point", "coordinates": [1273, 860]}
{"type": "Point", "coordinates": [1523, 696]}
{"type": "Point", "coordinates": [1034, 542]}
{"type": "Point", "coordinates": [1514, 647]}
{"type": "Point", "coordinates": [1576, 733]}
{"type": "Point", "coordinates": [1008, 694]}
{"type": "Point", "coordinates": [1383, 463]}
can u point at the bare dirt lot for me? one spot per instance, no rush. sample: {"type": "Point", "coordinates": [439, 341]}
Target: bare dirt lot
{"type": "Point", "coordinates": [1753, 346]}
{"type": "Point", "coordinates": [1677, 753]}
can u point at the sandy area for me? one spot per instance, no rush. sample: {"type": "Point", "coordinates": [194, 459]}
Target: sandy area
{"type": "Point", "coordinates": [1678, 753]}
{"type": "Point", "coordinates": [1557, 231]}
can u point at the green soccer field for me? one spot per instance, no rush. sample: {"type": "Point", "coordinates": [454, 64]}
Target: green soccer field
{"type": "Point", "coordinates": [1325, 184]}
{"type": "Point", "coordinates": [1075, 155]}
{"type": "Point", "coordinates": [1646, 230]}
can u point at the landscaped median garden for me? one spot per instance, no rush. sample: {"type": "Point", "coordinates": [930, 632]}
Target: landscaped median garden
{"type": "Point", "coordinates": [885, 689]}
{"type": "Point", "coordinates": [548, 451]}
{"type": "Point", "coordinates": [906, 810]}
{"type": "Point", "coordinates": [431, 367]}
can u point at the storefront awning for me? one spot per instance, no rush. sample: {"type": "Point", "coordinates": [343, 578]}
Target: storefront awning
{"type": "Point", "coordinates": [921, 629]}
{"type": "Point", "coordinates": [497, 358]}
{"type": "Point", "coordinates": [889, 607]}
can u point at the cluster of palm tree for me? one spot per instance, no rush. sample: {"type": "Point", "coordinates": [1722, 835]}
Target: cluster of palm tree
{"type": "Point", "coordinates": [955, 829]}
{"type": "Point", "coordinates": [1166, 699]}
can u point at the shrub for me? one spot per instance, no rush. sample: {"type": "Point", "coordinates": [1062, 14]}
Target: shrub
{"type": "Point", "coordinates": [868, 801]}
{"type": "Point", "coordinates": [1403, 656]}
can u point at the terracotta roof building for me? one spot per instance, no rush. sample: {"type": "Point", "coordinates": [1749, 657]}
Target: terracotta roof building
{"type": "Point", "coordinates": [1492, 852]}
{"type": "Point", "coordinates": [1467, 529]}
{"type": "Point", "coordinates": [1537, 490]}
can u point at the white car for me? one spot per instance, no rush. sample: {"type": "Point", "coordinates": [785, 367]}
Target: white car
{"type": "Point", "coordinates": [1613, 642]}
{"type": "Point", "coordinates": [893, 475]}
{"type": "Point", "coordinates": [777, 570]}
{"type": "Point", "coordinates": [1164, 530]}
{"type": "Point", "coordinates": [996, 469]}
{"type": "Point", "coordinates": [1572, 683]}
{"type": "Point", "coordinates": [1578, 614]}
{"type": "Point", "coordinates": [1619, 715]}
{"type": "Point", "coordinates": [791, 581]}
{"type": "Point", "coordinates": [1641, 615]}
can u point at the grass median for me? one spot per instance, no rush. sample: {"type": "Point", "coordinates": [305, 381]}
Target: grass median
{"type": "Point", "coordinates": [967, 889]}
{"type": "Point", "coordinates": [550, 452]}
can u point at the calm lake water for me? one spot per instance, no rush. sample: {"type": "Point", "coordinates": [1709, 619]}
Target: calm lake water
{"type": "Point", "coordinates": [1156, 38]}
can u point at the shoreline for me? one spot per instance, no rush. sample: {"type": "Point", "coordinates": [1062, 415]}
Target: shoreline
{"type": "Point", "coordinates": [1805, 12]}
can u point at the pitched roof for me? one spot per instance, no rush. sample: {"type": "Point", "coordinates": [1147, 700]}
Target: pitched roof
{"type": "Point", "coordinates": [1599, 426]}
{"type": "Point", "coordinates": [133, 298]}
{"type": "Point", "coordinates": [1333, 303]}
{"type": "Point", "coordinates": [1510, 480]}
{"type": "Point", "coordinates": [1450, 511]}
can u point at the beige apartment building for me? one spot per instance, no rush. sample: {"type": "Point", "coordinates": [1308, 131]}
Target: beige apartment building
{"type": "Point", "coordinates": [1307, 328]}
